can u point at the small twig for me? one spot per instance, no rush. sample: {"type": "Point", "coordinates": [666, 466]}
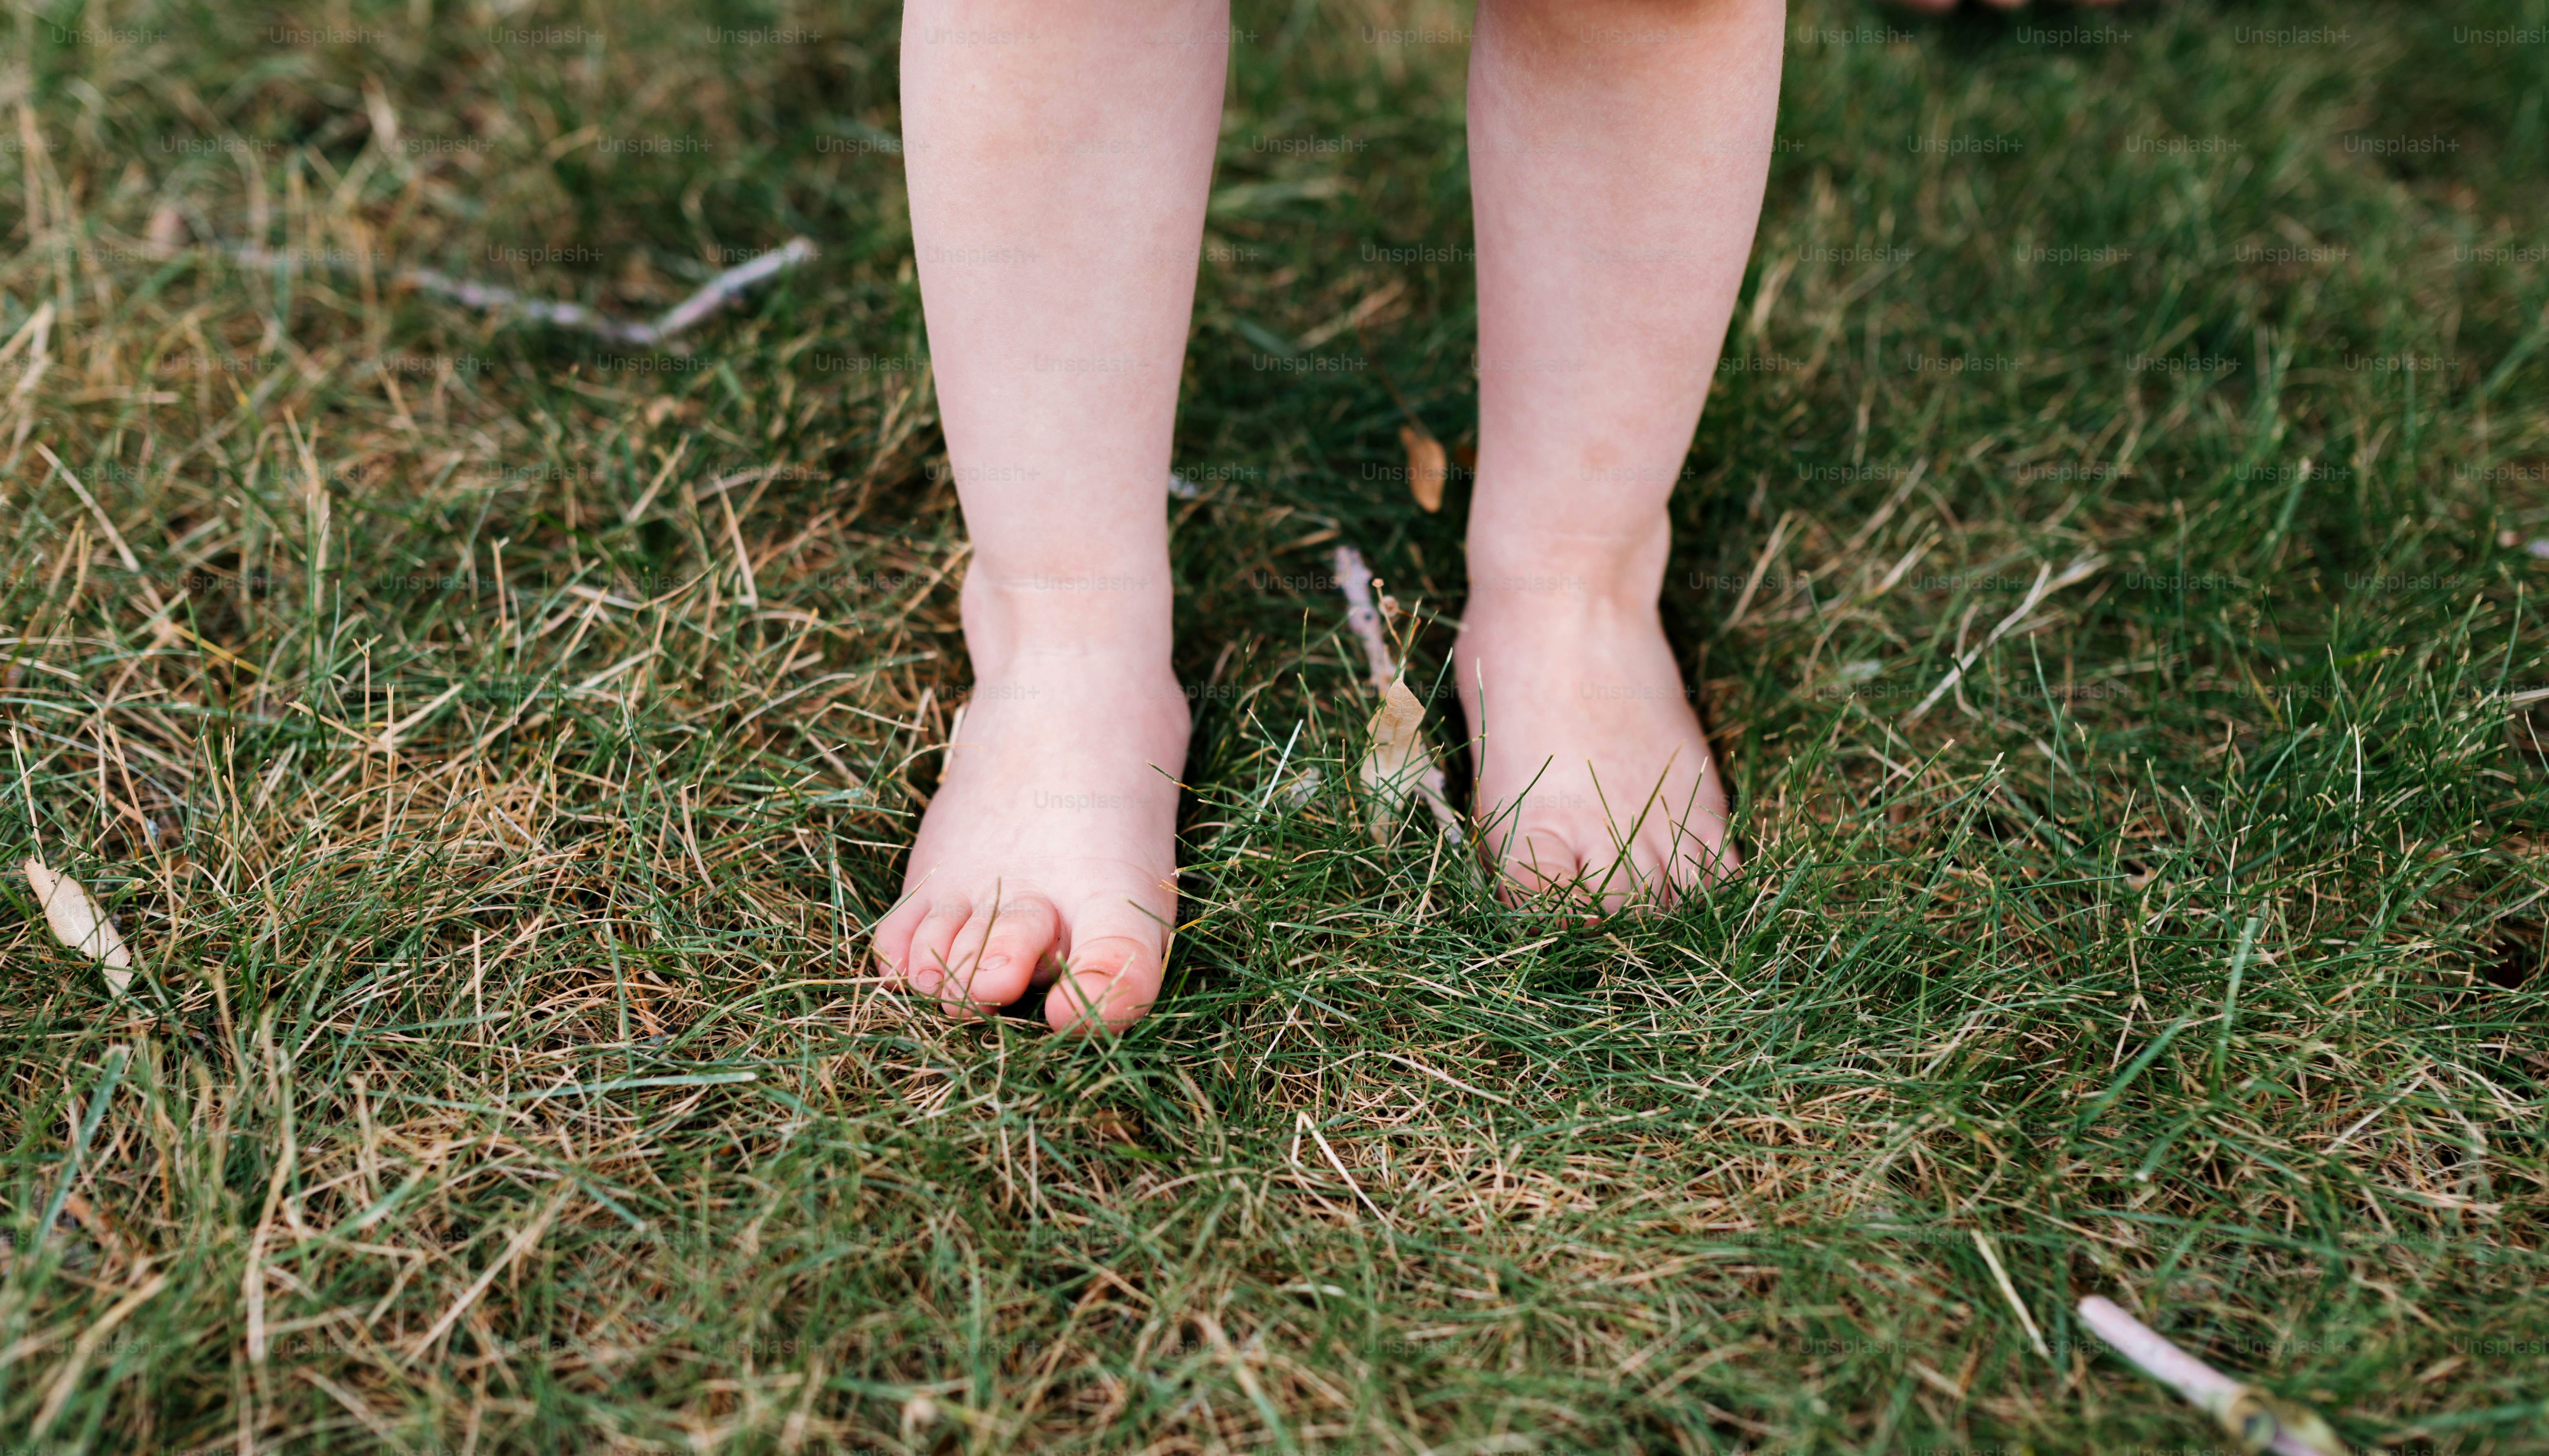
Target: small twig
{"type": "Point", "coordinates": [714, 295]}
{"type": "Point", "coordinates": [1354, 578]}
{"type": "Point", "coordinates": [2259, 1420]}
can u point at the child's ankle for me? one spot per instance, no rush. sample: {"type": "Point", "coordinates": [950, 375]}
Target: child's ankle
{"type": "Point", "coordinates": [1569, 569]}
{"type": "Point", "coordinates": [1563, 583]}
{"type": "Point", "coordinates": [1111, 610]}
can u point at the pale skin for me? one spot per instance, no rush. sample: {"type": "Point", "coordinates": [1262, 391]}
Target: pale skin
{"type": "Point", "coordinates": [1059, 156]}
{"type": "Point", "coordinates": [1940, 7]}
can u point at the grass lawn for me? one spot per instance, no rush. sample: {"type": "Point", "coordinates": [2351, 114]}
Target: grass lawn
{"type": "Point", "coordinates": [493, 742]}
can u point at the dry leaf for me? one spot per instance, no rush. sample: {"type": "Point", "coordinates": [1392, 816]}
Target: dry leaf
{"type": "Point", "coordinates": [1426, 470]}
{"type": "Point", "coordinates": [1397, 764]}
{"type": "Point", "coordinates": [78, 923]}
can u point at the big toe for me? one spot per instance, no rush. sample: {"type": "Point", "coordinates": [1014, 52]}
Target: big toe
{"type": "Point", "coordinates": [1539, 861]}
{"type": "Point", "coordinates": [1589, 872]}
{"type": "Point", "coordinates": [1112, 978]}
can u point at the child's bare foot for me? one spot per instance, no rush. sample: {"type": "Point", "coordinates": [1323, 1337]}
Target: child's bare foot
{"type": "Point", "coordinates": [1587, 727]}
{"type": "Point", "coordinates": [1052, 842]}
{"type": "Point", "coordinates": [1611, 120]}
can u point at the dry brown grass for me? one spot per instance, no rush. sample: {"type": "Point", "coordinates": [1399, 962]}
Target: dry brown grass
{"type": "Point", "coordinates": [494, 746]}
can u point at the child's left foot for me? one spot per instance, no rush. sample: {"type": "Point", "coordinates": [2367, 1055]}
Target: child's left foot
{"type": "Point", "coordinates": [1587, 728]}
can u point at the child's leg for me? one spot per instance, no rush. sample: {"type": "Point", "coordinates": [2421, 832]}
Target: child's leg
{"type": "Point", "coordinates": [1618, 152]}
{"type": "Point", "coordinates": [1059, 158]}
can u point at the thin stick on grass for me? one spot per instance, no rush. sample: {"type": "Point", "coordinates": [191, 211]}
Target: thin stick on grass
{"type": "Point", "coordinates": [1354, 579]}
{"type": "Point", "coordinates": [492, 298]}
{"type": "Point", "coordinates": [2243, 1411]}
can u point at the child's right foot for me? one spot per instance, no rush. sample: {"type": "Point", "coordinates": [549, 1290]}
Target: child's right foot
{"type": "Point", "coordinates": [1052, 839]}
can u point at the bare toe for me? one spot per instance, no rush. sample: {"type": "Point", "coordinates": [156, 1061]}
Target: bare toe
{"type": "Point", "coordinates": [1538, 863]}
{"type": "Point", "coordinates": [926, 964]}
{"type": "Point", "coordinates": [893, 937]}
{"type": "Point", "coordinates": [996, 953]}
{"type": "Point", "coordinates": [1113, 976]}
